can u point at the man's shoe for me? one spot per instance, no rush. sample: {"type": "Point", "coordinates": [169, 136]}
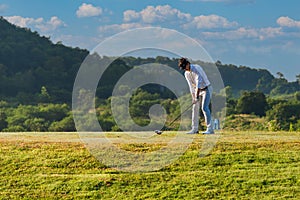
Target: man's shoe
{"type": "Point", "coordinates": [209, 132]}
{"type": "Point", "coordinates": [192, 132]}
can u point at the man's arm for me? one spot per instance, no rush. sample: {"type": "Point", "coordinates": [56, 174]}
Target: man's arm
{"type": "Point", "coordinates": [192, 89]}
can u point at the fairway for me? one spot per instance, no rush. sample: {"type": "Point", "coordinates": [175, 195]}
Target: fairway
{"type": "Point", "coordinates": [242, 165]}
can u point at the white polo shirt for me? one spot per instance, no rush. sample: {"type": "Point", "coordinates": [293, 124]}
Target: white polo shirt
{"type": "Point", "coordinates": [196, 78]}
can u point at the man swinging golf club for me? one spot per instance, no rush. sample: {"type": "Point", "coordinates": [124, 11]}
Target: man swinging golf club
{"type": "Point", "coordinates": [199, 87]}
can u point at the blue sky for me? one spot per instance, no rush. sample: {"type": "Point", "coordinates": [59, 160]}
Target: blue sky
{"type": "Point", "coordinates": [256, 33]}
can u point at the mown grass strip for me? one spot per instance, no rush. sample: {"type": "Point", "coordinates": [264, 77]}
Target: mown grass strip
{"type": "Point", "coordinates": [243, 165]}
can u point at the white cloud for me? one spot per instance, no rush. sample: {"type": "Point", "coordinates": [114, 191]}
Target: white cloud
{"type": "Point", "coordinates": [51, 25]}
{"type": "Point", "coordinates": [88, 10]}
{"type": "Point", "coordinates": [210, 21]}
{"type": "Point", "coordinates": [207, 27]}
{"type": "Point", "coordinates": [288, 22]}
{"type": "Point", "coordinates": [245, 33]}
{"type": "Point", "coordinates": [116, 28]}
{"type": "Point", "coordinates": [270, 32]}
{"type": "Point", "coordinates": [167, 14]}
{"type": "Point", "coordinates": [23, 21]}
{"type": "Point", "coordinates": [156, 14]}
{"type": "Point", "coordinates": [38, 23]}
{"type": "Point", "coordinates": [130, 16]}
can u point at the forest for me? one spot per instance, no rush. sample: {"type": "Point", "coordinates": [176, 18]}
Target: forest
{"type": "Point", "coordinates": [37, 77]}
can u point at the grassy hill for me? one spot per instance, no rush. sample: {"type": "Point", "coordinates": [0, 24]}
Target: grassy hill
{"type": "Point", "coordinates": [30, 62]}
{"type": "Point", "coordinates": [243, 165]}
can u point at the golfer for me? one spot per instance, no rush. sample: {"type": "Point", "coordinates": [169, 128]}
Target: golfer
{"type": "Point", "coordinates": [199, 87]}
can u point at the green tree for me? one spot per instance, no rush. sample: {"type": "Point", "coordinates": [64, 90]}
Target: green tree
{"type": "Point", "coordinates": [36, 124]}
{"type": "Point", "coordinates": [66, 124]}
{"type": "Point", "coordinates": [20, 114]}
{"type": "Point", "coordinates": [44, 96]}
{"type": "Point", "coordinates": [53, 112]}
{"type": "Point", "coordinates": [38, 117]}
{"type": "Point", "coordinates": [280, 75]}
{"type": "Point", "coordinates": [285, 114]}
{"type": "Point", "coordinates": [3, 122]}
{"type": "Point", "coordinates": [297, 96]}
{"type": "Point", "coordinates": [252, 102]}
{"type": "Point", "coordinates": [231, 106]}
{"type": "Point", "coordinates": [141, 102]}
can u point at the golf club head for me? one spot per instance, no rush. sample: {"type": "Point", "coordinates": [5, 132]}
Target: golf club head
{"type": "Point", "coordinates": [158, 132]}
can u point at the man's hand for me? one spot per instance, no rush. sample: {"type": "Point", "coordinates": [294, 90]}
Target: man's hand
{"type": "Point", "coordinates": [195, 100]}
{"type": "Point", "coordinates": [195, 97]}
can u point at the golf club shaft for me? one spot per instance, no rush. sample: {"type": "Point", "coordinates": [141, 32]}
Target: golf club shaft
{"type": "Point", "coordinates": [179, 115]}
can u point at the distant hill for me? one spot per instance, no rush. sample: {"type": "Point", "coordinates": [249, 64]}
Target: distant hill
{"type": "Point", "coordinates": [238, 78]}
{"type": "Point", "coordinates": [29, 61]}
{"type": "Point", "coordinates": [32, 65]}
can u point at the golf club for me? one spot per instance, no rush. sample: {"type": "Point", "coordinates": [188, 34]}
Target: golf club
{"type": "Point", "coordinates": [163, 129]}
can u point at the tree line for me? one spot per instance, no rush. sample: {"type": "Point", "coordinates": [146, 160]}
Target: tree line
{"type": "Point", "coordinates": [277, 114]}
{"type": "Point", "coordinates": [37, 77]}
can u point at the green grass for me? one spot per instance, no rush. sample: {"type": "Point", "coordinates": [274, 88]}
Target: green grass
{"type": "Point", "coordinates": [243, 165]}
